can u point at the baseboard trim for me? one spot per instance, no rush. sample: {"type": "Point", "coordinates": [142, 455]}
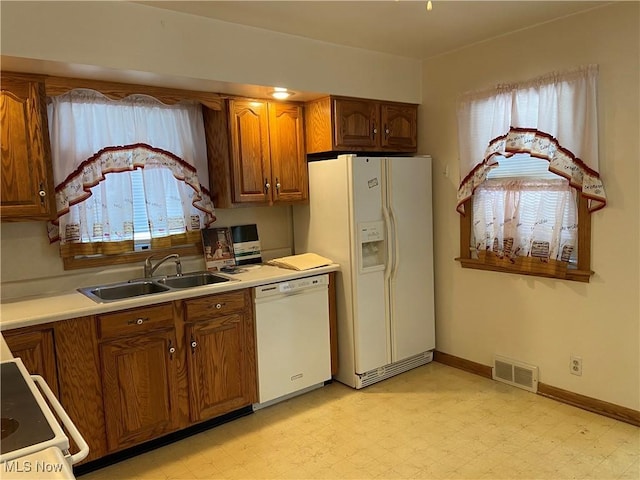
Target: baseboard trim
{"type": "Point", "coordinates": [607, 409]}
{"type": "Point", "coordinates": [462, 364]}
{"type": "Point", "coordinates": [594, 405]}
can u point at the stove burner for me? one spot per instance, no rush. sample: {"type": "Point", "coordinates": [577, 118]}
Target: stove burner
{"type": "Point", "coordinates": [9, 425]}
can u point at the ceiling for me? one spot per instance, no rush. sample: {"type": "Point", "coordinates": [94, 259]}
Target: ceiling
{"type": "Point", "coordinates": [404, 28]}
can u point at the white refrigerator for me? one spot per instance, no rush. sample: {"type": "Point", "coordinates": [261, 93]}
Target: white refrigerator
{"type": "Point", "coordinates": [373, 216]}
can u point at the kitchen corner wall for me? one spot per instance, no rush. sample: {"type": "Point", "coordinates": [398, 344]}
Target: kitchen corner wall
{"type": "Point", "coordinates": [160, 47]}
{"type": "Point", "coordinates": [536, 320]}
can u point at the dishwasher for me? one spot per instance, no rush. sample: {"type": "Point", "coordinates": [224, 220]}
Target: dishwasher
{"type": "Point", "coordinates": [292, 338]}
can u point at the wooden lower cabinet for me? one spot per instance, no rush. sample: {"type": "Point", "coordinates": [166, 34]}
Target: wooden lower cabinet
{"type": "Point", "coordinates": [139, 388]}
{"type": "Point", "coordinates": [220, 354]}
{"type": "Point", "coordinates": [131, 376]}
{"type": "Point", "coordinates": [34, 345]}
{"type": "Point", "coordinates": [80, 379]}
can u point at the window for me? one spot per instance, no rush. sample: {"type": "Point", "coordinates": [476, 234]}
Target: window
{"type": "Point", "coordinates": [126, 174]}
{"type": "Point", "coordinates": [528, 158]}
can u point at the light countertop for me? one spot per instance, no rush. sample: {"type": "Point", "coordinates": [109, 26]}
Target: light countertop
{"type": "Point", "coordinates": [36, 310]}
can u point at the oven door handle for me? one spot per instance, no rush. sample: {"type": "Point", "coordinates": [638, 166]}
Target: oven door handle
{"type": "Point", "coordinates": [64, 417]}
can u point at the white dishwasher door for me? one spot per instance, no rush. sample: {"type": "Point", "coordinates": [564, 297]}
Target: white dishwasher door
{"type": "Point", "coordinates": [292, 336]}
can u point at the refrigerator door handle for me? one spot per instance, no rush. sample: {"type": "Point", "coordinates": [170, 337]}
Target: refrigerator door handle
{"type": "Point", "coordinates": [392, 234]}
{"type": "Point", "coordinates": [394, 241]}
{"type": "Point", "coordinates": [388, 227]}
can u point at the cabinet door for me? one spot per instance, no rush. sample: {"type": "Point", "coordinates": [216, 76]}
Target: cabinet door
{"type": "Point", "coordinates": [221, 366]}
{"type": "Point", "coordinates": [26, 192]}
{"type": "Point", "coordinates": [399, 127]}
{"type": "Point", "coordinates": [78, 363]}
{"type": "Point", "coordinates": [250, 159]}
{"type": "Point", "coordinates": [35, 347]}
{"type": "Point", "coordinates": [356, 123]}
{"type": "Point", "coordinates": [289, 176]}
{"type": "Point", "coordinates": [139, 388]}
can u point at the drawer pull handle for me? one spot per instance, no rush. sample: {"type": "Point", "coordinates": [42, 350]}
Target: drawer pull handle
{"type": "Point", "coordinates": [137, 321]}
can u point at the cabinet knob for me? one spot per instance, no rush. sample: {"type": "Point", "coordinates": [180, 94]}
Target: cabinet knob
{"type": "Point", "coordinates": [137, 321]}
{"type": "Point", "coordinates": [42, 193]}
{"type": "Point", "coordinates": [218, 306]}
{"type": "Point", "coordinates": [387, 131]}
{"type": "Point", "coordinates": [267, 185]}
{"type": "Point", "coordinates": [277, 184]}
{"type": "Point", "coordinates": [172, 350]}
{"type": "Point", "coordinates": [194, 344]}
{"type": "Point", "coordinates": [375, 131]}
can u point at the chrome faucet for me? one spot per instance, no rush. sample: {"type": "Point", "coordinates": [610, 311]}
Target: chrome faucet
{"type": "Point", "coordinates": [149, 268]}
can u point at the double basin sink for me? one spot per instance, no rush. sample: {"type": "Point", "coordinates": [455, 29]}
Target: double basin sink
{"type": "Point", "coordinates": [150, 286]}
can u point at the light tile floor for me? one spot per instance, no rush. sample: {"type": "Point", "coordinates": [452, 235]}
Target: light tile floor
{"type": "Point", "coordinates": [433, 422]}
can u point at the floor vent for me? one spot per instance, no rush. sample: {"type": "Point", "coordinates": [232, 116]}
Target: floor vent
{"type": "Point", "coordinates": [382, 373]}
{"type": "Point", "coordinates": [515, 373]}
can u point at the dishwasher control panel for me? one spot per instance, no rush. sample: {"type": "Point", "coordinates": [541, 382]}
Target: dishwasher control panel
{"type": "Point", "coordinates": [292, 286]}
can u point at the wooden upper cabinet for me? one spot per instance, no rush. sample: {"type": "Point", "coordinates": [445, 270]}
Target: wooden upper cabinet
{"type": "Point", "coordinates": [343, 124]}
{"type": "Point", "coordinates": [263, 160]}
{"type": "Point", "coordinates": [27, 190]}
{"type": "Point", "coordinates": [250, 154]}
{"type": "Point", "coordinates": [289, 175]}
{"type": "Point", "coordinates": [399, 126]}
{"type": "Point", "coordinates": [357, 123]}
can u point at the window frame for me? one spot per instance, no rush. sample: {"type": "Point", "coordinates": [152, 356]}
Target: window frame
{"type": "Point", "coordinates": [117, 91]}
{"type": "Point", "coordinates": [582, 273]}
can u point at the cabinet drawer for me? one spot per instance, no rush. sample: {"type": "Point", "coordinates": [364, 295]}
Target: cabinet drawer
{"type": "Point", "coordinates": [132, 322]}
{"type": "Point", "coordinates": [205, 308]}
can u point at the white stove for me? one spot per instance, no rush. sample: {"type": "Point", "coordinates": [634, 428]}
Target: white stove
{"type": "Point", "coordinates": [33, 443]}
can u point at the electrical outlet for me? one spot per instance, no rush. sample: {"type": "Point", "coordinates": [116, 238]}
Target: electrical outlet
{"type": "Point", "coordinates": [575, 367]}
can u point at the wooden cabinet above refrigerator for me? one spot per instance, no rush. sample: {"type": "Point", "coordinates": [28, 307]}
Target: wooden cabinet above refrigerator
{"type": "Point", "coordinates": [343, 124]}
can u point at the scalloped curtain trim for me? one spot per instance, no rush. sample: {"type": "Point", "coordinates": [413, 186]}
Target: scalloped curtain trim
{"type": "Point", "coordinates": [539, 145]}
{"type": "Point", "coordinates": [77, 186]}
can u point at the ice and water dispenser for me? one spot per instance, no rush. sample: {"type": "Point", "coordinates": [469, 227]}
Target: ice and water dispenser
{"type": "Point", "coordinates": [371, 246]}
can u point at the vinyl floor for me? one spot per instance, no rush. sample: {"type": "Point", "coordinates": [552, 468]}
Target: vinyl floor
{"type": "Point", "coordinates": [433, 422]}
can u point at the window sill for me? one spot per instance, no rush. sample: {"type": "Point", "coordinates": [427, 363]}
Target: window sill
{"type": "Point", "coordinates": [73, 263]}
{"type": "Point", "coordinates": [527, 266]}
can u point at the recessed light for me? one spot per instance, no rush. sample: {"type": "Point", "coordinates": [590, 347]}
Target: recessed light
{"type": "Point", "coordinates": [281, 93]}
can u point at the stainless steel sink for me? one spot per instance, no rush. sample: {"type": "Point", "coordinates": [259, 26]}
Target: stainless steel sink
{"type": "Point", "coordinates": [189, 280]}
{"type": "Point", "coordinates": [120, 291]}
{"type": "Point", "coordinates": [136, 288]}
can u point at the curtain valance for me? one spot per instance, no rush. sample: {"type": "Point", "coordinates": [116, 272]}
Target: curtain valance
{"type": "Point", "coordinates": [105, 152]}
{"type": "Point", "coordinates": [77, 186]}
{"type": "Point", "coordinates": [553, 117]}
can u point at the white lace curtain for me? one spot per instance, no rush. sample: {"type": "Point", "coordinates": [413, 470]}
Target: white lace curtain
{"type": "Point", "coordinates": [553, 117]}
{"type": "Point", "coordinates": [98, 143]}
{"type": "Point", "coordinates": [527, 218]}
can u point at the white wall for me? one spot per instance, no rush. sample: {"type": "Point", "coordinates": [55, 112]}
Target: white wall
{"type": "Point", "coordinates": [108, 39]}
{"type": "Point", "coordinates": [132, 37]}
{"type": "Point", "coordinates": [536, 320]}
